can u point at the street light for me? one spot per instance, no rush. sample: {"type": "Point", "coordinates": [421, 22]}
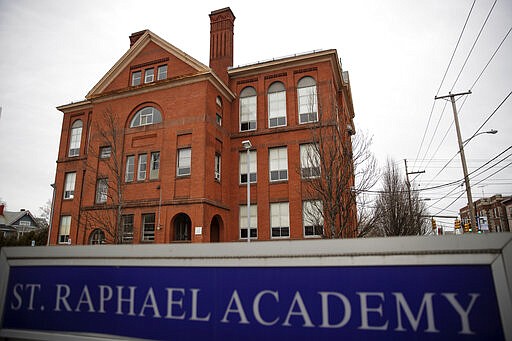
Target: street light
{"type": "Point", "coordinates": [492, 131]}
{"type": "Point", "coordinates": [247, 145]}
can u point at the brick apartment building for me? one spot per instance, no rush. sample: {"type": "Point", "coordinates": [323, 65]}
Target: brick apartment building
{"type": "Point", "coordinates": [154, 153]}
{"type": "Point", "coordinates": [493, 210]}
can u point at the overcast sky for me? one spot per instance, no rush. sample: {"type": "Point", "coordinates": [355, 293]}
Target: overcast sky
{"type": "Point", "coordinates": [54, 52]}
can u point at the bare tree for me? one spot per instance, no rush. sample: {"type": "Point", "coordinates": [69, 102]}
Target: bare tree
{"type": "Point", "coordinates": [338, 167]}
{"type": "Point", "coordinates": [395, 214]}
{"type": "Point", "coordinates": [105, 161]}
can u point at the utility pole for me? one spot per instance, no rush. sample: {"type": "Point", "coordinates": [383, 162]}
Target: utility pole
{"type": "Point", "coordinates": [408, 183]}
{"type": "Point", "coordinates": [463, 157]}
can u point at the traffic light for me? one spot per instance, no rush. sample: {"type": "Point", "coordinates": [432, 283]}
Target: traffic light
{"type": "Point", "coordinates": [433, 224]}
{"type": "Point", "coordinates": [466, 227]}
{"type": "Point", "coordinates": [457, 224]}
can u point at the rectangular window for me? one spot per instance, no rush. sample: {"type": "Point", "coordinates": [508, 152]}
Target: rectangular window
{"type": "Point", "coordinates": [248, 113]}
{"type": "Point", "coordinates": [127, 221]}
{"type": "Point", "coordinates": [280, 220]}
{"type": "Point", "coordinates": [141, 170]}
{"type": "Point", "coordinates": [148, 227]}
{"type": "Point", "coordinates": [278, 164]}
{"type": "Point", "coordinates": [75, 141]}
{"type": "Point", "coordinates": [25, 223]}
{"type": "Point", "coordinates": [69, 185]}
{"type": "Point", "coordinates": [218, 119]}
{"type": "Point", "coordinates": [65, 226]}
{"type": "Point", "coordinates": [162, 72]}
{"type": "Point", "coordinates": [277, 109]}
{"type": "Point", "coordinates": [312, 218]}
{"type": "Point", "coordinates": [308, 107]}
{"type": "Point", "coordinates": [149, 75]}
{"type": "Point", "coordinates": [105, 152]}
{"type": "Point", "coordinates": [101, 191]}
{"type": "Point", "coordinates": [252, 167]}
{"type": "Point", "coordinates": [130, 168]}
{"type": "Point", "coordinates": [243, 221]}
{"type": "Point", "coordinates": [136, 76]}
{"type": "Point", "coordinates": [184, 161]}
{"type": "Point", "coordinates": [217, 167]}
{"type": "Point", "coordinates": [309, 161]}
{"type": "Point", "coordinates": [155, 166]}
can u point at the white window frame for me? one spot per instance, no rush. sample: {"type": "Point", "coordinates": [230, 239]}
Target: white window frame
{"type": "Point", "coordinates": [142, 167]}
{"type": "Point", "coordinates": [184, 164]}
{"type": "Point", "coordinates": [75, 138]}
{"type": "Point", "coordinates": [105, 152]}
{"type": "Point", "coordinates": [280, 220]}
{"type": "Point", "coordinates": [101, 191]}
{"type": "Point", "coordinates": [243, 222]}
{"type": "Point", "coordinates": [148, 235]}
{"type": "Point", "coordinates": [64, 229]}
{"type": "Point", "coordinates": [248, 109]}
{"type": "Point", "coordinates": [146, 116]}
{"type": "Point", "coordinates": [276, 98]}
{"type": "Point", "coordinates": [129, 174]}
{"type": "Point", "coordinates": [161, 72]}
{"type": "Point", "coordinates": [154, 169]}
{"type": "Point", "coordinates": [312, 218]}
{"type": "Point", "coordinates": [217, 167]}
{"type": "Point", "coordinates": [136, 78]}
{"type": "Point", "coordinates": [69, 185]}
{"type": "Point", "coordinates": [309, 161]}
{"type": "Point", "coordinates": [149, 75]}
{"type": "Point", "coordinates": [307, 96]}
{"type": "Point", "coordinates": [252, 167]}
{"type": "Point", "coordinates": [278, 164]}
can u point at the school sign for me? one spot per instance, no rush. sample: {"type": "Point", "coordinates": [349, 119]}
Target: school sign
{"type": "Point", "coordinates": [421, 288]}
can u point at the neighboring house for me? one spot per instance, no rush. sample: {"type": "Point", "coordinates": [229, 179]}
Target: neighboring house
{"type": "Point", "coordinates": [508, 210]}
{"type": "Point", "coordinates": [492, 213]}
{"type": "Point", "coordinates": [16, 223]}
{"type": "Point", "coordinates": [156, 153]}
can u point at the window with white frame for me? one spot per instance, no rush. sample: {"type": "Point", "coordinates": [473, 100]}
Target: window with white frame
{"type": "Point", "coordinates": [252, 166]}
{"type": "Point", "coordinates": [76, 138]}
{"type": "Point", "coordinates": [149, 75]}
{"type": "Point", "coordinates": [307, 95]}
{"type": "Point", "coordinates": [127, 221]}
{"type": "Point", "coordinates": [141, 169]}
{"type": "Point", "coordinates": [278, 163]}
{"type": "Point", "coordinates": [217, 167]}
{"type": "Point", "coordinates": [276, 105]}
{"type": "Point", "coordinates": [105, 152]}
{"type": "Point", "coordinates": [155, 166]}
{"type": "Point", "coordinates": [162, 72]}
{"type": "Point", "coordinates": [136, 77]}
{"type": "Point", "coordinates": [65, 226]}
{"type": "Point", "coordinates": [69, 185]}
{"type": "Point", "coordinates": [101, 190]}
{"type": "Point", "coordinates": [148, 227]}
{"type": "Point", "coordinates": [280, 220]}
{"type": "Point", "coordinates": [130, 168]}
{"type": "Point", "coordinates": [248, 109]}
{"type": "Point", "coordinates": [184, 161]}
{"type": "Point", "coordinates": [253, 212]}
{"type": "Point", "coordinates": [312, 218]}
{"type": "Point", "coordinates": [309, 161]}
{"type": "Point", "coordinates": [146, 116]}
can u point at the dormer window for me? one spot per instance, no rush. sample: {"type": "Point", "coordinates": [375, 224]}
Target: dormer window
{"type": "Point", "coordinates": [146, 116]}
{"type": "Point", "coordinates": [149, 75]}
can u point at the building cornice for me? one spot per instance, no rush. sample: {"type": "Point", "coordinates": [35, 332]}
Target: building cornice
{"type": "Point", "coordinates": [74, 106]}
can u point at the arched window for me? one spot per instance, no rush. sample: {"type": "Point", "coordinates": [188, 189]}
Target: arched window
{"type": "Point", "coordinates": [97, 237]}
{"type": "Point", "coordinates": [182, 227]}
{"type": "Point", "coordinates": [146, 116]}
{"type": "Point", "coordinates": [248, 109]}
{"type": "Point", "coordinates": [76, 138]}
{"type": "Point", "coordinates": [307, 95]}
{"type": "Point", "coordinates": [276, 105]}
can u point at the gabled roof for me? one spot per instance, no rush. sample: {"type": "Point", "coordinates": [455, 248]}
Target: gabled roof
{"type": "Point", "coordinates": [10, 218]}
{"type": "Point", "coordinates": [134, 50]}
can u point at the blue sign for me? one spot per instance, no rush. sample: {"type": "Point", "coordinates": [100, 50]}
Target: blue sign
{"type": "Point", "coordinates": [257, 303]}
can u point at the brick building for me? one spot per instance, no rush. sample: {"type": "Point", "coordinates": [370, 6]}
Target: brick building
{"type": "Point", "coordinates": [154, 153]}
{"type": "Point", "coordinates": [493, 210]}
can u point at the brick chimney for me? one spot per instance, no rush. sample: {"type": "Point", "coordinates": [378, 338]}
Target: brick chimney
{"type": "Point", "coordinates": [221, 41]}
{"type": "Point", "coordinates": [135, 36]}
